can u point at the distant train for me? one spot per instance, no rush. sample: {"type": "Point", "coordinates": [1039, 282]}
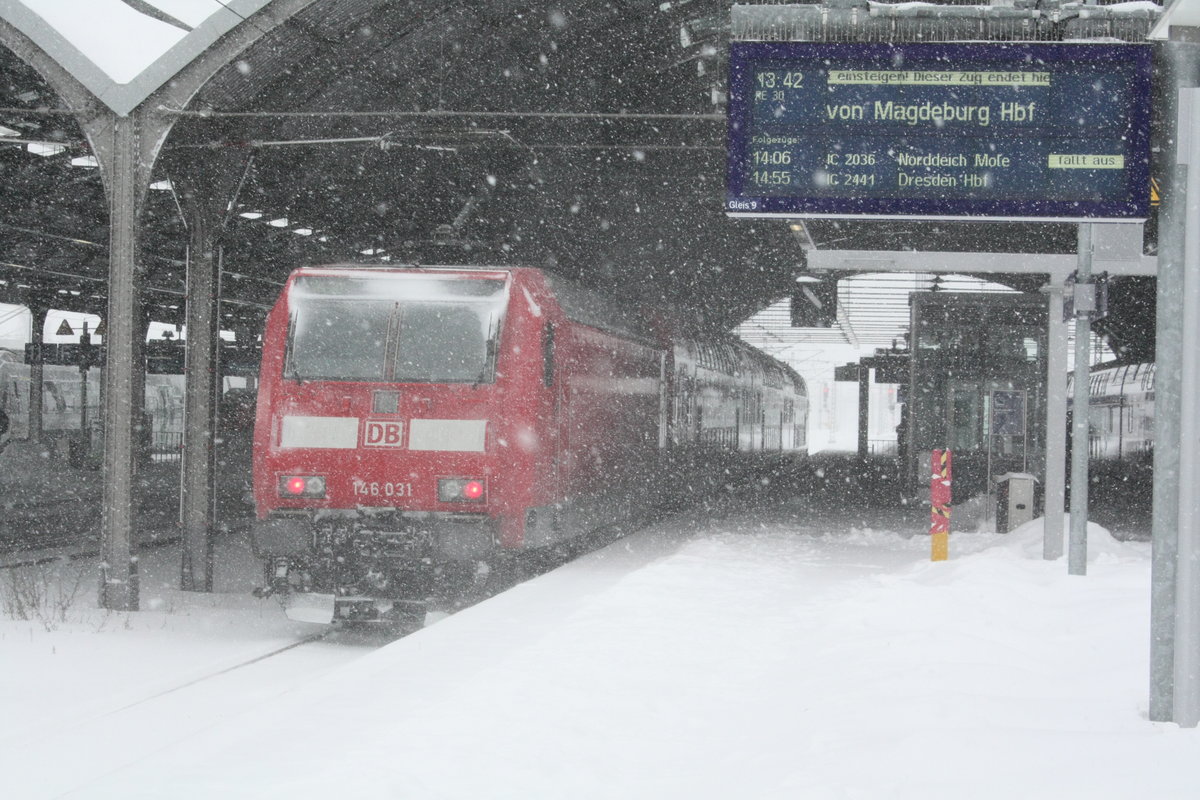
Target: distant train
{"type": "Point", "coordinates": [411, 420]}
{"type": "Point", "coordinates": [1120, 413]}
{"type": "Point", "coordinates": [62, 403]}
{"type": "Point", "coordinates": [61, 396]}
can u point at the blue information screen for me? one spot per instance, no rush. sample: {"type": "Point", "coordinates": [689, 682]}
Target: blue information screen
{"type": "Point", "coordinates": [1025, 131]}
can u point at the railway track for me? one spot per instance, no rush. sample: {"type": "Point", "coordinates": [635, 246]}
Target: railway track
{"type": "Point", "coordinates": [40, 527]}
{"type": "Point", "coordinates": [32, 560]}
{"type": "Point", "coordinates": [157, 718]}
{"type": "Point", "coordinates": [34, 542]}
{"type": "Point", "coordinates": [316, 637]}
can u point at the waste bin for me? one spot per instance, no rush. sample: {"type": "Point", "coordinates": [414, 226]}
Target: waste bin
{"type": "Point", "coordinates": [1014, 500]}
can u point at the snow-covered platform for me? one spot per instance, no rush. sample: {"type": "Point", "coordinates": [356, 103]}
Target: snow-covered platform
{"type": "Point", "coordinates": [795, 649]}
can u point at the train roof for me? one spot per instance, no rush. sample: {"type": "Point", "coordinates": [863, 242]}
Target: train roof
{"type": "Point", "coordinates": [349, 268]}
{"type": "Point", "coordinates": [1117, 379]}
{"type": "Point", "coordinates": [597, 310]}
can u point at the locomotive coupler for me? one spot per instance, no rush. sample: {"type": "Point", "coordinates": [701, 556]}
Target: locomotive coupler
{"type": "Point", "coordinates": [279, 579]}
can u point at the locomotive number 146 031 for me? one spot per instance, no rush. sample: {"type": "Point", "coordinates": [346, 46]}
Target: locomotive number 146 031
{"type": "Point", "coordinates": [382, 489]}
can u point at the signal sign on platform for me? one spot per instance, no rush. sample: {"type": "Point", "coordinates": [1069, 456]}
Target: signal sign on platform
{"type": "Point", "coordinates": [940, 494]}
{"type": "Point", "coordinates": [996, 130]}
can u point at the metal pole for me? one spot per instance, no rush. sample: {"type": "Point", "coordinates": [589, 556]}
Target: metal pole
{"type": "Point", "coordinates": [1056, 426]}
{"type": "Point", "coordinates": [85, 433]}
{"type": "Point", "coordinates": [1181, 65]}
{"type": "Point", "coordinates": [1187, 562]}
{"type": "Point", "coordinates": [206, 190]}
{"type": "Point", "coordinates": [118, 570]}
{"type": "Point", "coordinates": [197, 504]}
{"type": "Point", "coordinates": [864, 409]}
{"type": "Point", "coordinates": [1077, 553]}
{"type": "Point", "coordinates": [37, 371]}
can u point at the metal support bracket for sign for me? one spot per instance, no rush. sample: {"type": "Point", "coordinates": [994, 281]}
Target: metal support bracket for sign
{"type": "Point", "coordinates": [1085, 297]}
{"type": "Point", "coordinates": [1057, 265]}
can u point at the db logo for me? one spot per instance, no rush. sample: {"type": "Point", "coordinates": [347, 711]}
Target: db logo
{"type": "Point", "coordinates": [382, 434]}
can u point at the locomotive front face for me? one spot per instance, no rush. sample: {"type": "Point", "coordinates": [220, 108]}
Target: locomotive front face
{"type": "Point", "coordinates": [379, 423]}
{"type": "Point", "coordinates": [385, 399]}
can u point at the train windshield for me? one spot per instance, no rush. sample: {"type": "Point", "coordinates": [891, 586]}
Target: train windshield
{"type": "Point", "coordinates": [394, 327]}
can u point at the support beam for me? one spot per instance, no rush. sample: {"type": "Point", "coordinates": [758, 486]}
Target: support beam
{"type": "Point", "coordinates": [1187, 561]}
{"type": "Point", "coordinates": [118, 569]}
{"type": "Point", "coordinates": [202, 385]}
{"type": "Point", "coordinates": [864, 410]}
{"type": "Point", "coordinates": [197, 506]}
{"type": "Point", "coordinates": [1059, 265]}
{"type": "Point", "coordinates": [38, 309]}
{"type": "Point", "coordinates": [85, 424]}
{"type": "Point", "coordinates": [1182, 70]}
{"type": "Point", "coordinates": [1056, 430]}
{"type": "Point", "coordinates": [1080, 446]}
{"type": "Point", "coordinates": [207, 188]}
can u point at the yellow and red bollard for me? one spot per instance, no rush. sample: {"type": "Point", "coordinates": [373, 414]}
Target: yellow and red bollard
{"type": "Point", "coordinates": [939, 498]}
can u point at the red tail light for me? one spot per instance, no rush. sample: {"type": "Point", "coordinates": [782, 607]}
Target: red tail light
{"type": "Point", "coordinates": [462, 490]}
{"type": "Point", "coordinates": [301, 486]}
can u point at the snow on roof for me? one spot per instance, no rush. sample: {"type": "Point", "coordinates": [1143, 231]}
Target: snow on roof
{"type": "Point", "coordinates": [104, 30]}
{"type": "Point", "coordinates": [122, 52]}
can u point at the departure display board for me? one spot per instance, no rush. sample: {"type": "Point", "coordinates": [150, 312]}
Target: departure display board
{"type": "Point", "coordinates": [996, 130]}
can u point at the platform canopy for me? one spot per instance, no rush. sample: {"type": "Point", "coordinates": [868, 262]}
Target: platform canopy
{"type": "Point", "coordinates": [586, 136]}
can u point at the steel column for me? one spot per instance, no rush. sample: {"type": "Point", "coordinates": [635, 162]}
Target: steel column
{"type": "Point", "coordinates": [1056, 427]}
{"type": "Point", "coordinates": [1182, 68]}
{"type": "Point", "coordinates": [1187, 562]}
{"type": "Point", "coordinates": [208, 190]}
{"type": "Point", "coordinates": [864, 410]}
{"type": "Point", "coordinates": [1077, 552]}
{"type": "Point", "coordinates": [37, 370]}
{"type": "Point", "coordinates": [118, 568]}
{"type": "Point", "coordinates": [202, 387]}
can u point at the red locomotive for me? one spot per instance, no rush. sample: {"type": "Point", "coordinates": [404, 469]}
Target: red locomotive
{"type": "Point", "coordinates": [411, 418]}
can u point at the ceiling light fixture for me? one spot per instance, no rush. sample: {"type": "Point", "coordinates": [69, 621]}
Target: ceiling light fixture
{"type": "Point", "coordinates": [45, 149]}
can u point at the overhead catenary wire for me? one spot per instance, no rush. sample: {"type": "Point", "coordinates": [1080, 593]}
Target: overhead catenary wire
{"type": "Point", "coordinates": [611, 116]}
{"type": "Point", "coordinates": [149, 289]}
{"type": "Point", "coordinates": [65, 145]}
{"type": "Point", "coordinates": [42, 111]}
{"type": "Point", "coordinates": [385, 142]}
{"type": "Point", "coordinates": [529, 146]}
{"type": "Point", "coordinates": [390, 139]}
